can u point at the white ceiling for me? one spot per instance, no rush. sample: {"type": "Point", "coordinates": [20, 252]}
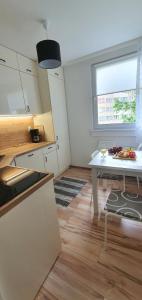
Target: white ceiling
{"type": "Point", "coordinates": [80, 26]}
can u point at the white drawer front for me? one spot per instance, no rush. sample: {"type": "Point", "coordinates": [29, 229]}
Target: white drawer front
{"type": "Point", "coordinates": [33, 160]}
{"type": "Point", "coordinates": [49, 148]}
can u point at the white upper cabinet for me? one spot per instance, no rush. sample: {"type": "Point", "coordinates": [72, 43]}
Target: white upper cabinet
{"type": "Point", "coordinates": [11, 94]}
{"type": "Point", "coordinates": [57, 72]}
{"type": "Point", "coordinates": [8, 57]}
{"type": "Point", "coordinates": [31, 93]}
{"type": "Point", "coordinates": [26, 65]}
{"type": "Point", "coordinates": [19, 90]}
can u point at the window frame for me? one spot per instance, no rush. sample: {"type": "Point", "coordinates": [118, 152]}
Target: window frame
{"type": "Point", "coordinates": [106, 127]}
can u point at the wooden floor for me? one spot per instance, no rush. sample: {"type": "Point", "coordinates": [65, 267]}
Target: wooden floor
{"type": "Point", "coordinates": [84, 271]}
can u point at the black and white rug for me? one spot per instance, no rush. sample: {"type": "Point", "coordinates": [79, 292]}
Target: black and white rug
{"type": "Point", "coordinates": [125, 204]}
{"type": "Point", "coordinates": [66, 188]}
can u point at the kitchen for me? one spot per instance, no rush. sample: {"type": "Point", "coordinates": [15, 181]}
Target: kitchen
{"type": "Point", "coordinates": [70, 150]}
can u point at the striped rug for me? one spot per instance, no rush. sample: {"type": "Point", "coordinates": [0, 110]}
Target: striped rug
{"type": "Point", "coordinates": [66, 188]}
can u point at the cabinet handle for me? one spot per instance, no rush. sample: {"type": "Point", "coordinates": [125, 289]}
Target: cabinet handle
{"type": "Point", "coordinates": [58, 147]}
{"type": "Point", "coordinates": [50, 147]}
{"type": "Point", "coordinates": [28, 70]}
{"type": "Point", "coordinates": [29, 155]}
{"type": "Point", "coordinates": [27, 108]}
{"type": "Point", "coordinates": [57, 74]}
{"type": "Point", "coordinates": [3, 60]}
{"type": "Point", "coordinates": [57, 137]}
{"type": "Point", "coordinates": [46, 158]}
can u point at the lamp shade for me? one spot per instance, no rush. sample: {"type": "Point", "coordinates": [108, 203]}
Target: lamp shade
{"type": "Point", "coordinates": [48, 52]}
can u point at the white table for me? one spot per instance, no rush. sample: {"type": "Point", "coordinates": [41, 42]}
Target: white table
{"type": "Point", "coordinates": [113, 166]}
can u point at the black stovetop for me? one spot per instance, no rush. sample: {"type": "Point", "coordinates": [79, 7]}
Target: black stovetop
{"type": "Point", "coordinates": [14, 181]}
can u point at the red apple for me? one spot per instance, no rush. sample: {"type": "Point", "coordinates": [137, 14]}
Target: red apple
{"type": "Point", "coordinates": [132, 154]}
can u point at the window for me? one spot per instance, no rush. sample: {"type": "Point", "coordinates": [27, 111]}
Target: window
{"type": "Point", "coordinates": [114, 93]}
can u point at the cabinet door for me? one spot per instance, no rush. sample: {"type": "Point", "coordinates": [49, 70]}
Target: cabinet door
{"type": "Point", "coordinates": [63, 154]}
{"type": "Point", "coordinates": [57, 72]}
{"type": "Point", "coordinates": [31, 93]}
{"type": "Point", "coordinates": [30, 244]}
{"type": "Point", "coordinates": [32, 160]}
{"type": "Point", "coordinates": [11, 95]}
{"type": "Point", "coordinates": [26, 65]}
{"type": "Point", "coordinates": [51, 162]}
{"type": "Point", "coordinates": [58, 102]}
{"type": "Point", "coordinates": [8, 57]}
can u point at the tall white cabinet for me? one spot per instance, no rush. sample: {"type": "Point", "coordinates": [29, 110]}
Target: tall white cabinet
{"type": "Point", "coordinates": [59, 113]}
{"type": "Point", "coordinates": [52, 91]}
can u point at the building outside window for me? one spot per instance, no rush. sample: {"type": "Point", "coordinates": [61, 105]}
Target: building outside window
{"type": "Point", "coordinates": [114, 93]}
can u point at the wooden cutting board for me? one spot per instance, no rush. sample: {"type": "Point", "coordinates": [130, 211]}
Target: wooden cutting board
{"type": "Point", "coordinates": [123, 158]}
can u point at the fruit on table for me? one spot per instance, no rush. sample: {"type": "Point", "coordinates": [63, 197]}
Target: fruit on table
{"type": "Point", "coordinates": [132, 154]}
{"type": "Point", "coordinates": [114, 150]}
{"type": "Point", "coordinates": [126, 153]}
{"type": "Point", "coordinates": [122, 153]}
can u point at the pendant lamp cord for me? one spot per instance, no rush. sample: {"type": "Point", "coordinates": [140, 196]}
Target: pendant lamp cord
{"type": "Point", "coordinates": [44, 24]}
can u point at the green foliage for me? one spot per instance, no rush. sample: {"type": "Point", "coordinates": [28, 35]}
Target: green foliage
{"type": "Point", "coordinates": [126, 110]}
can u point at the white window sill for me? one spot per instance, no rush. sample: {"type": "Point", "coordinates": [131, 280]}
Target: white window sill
{"type": "Point", "coordinates": [112, 132]}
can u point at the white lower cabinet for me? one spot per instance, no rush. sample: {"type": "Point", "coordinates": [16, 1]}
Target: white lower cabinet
{"type": "Point", "coordinates": [32, 160]}
{"type": "Point", "coordinates": [50, 159]}
{"type": "Point", "coordinates": [43, 160]}
{"type": "Point", "coordinates": [29, 244]}
{"type": "Point", "coordinates": [63, 154]}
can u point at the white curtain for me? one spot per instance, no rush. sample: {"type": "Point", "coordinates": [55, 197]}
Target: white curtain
{"type": "Point", "coordinates": [139, 97]}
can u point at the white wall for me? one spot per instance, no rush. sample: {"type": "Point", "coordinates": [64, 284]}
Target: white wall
{"type": "Point", "coordinates": [79, 106]}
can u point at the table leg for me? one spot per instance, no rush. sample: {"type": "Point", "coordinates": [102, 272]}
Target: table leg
{"type": "Point", "coordinates": [95, 192]}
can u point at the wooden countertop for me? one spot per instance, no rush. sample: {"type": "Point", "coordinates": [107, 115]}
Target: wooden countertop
{"type": "Point", "coordinates": [18, 199]}
{"type": "Point", "coordinates": [11, 153]}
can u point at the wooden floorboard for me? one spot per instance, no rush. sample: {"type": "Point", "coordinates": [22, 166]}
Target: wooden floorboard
{"type": "Point", "coordinates": [84, 271]}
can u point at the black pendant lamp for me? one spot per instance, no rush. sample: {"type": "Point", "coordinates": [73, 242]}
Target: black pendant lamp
{"type": "Point", "coordinates": [49, 56]}
{"type": "Point", "coordinates": [48, 52]}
